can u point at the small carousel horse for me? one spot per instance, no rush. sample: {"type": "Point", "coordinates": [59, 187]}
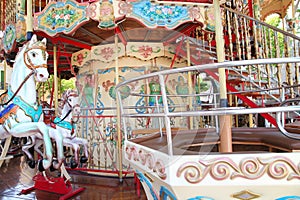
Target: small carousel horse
{"type": "Point", "coordinates": [65, 125]}
{"type": "Point", "coordinates": [22, 117]}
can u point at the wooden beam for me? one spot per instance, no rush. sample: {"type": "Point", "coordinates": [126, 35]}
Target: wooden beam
{"type": "Point", "coordinates": [89, 33]}
{"type": "Point", "coordinates": [184, 31]}
{"type": "Point", "coordinates": [66, 39]}
{"type": "Point", "coordinates": [65, 54]}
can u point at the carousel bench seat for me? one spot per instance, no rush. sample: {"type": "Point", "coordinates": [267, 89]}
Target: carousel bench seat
{"type": "Point", "coordinates": [270, 137]}
{"type": "Point", "coordinates": [183, 139]}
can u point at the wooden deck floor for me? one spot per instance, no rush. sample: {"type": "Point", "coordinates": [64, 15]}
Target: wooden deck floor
{"type": "Point", "coordinates": [14, 176]}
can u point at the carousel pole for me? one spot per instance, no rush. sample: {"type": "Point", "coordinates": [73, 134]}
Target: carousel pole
{"type": "Point", "coordinates": [29, 20]}
{"type": "Point", "coordinates": [55, 79]}
{"type": "Point", "coordinates": [5, 75]}
{"type": "Point", "coordinates": [225, 125]}
{"type": "Point", "coordinates": [188, 52]}
{"type": "Point", "coordinates": [118, 113]}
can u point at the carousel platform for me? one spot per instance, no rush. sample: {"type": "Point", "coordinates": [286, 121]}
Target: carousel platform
{"type": "Point", "coordinates": [16, 176]}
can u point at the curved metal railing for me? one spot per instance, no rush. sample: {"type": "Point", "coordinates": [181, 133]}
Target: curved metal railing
{"type": "Point", "coordinates": [164, 112]}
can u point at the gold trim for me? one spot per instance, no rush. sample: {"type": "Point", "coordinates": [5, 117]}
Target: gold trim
{"type": "Point", "coordinates": [246, 195]}
{"type": "Point", "coordinates": [148, 177]}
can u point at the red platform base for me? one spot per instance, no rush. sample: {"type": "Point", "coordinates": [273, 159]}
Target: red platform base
{"type": "Point", "coordinates": [54, 185]}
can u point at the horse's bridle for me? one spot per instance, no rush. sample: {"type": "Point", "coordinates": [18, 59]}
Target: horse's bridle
{"type": "Point", "coordinates": [39, 45]}
{"type": "Point", "coordinates": [72, 107]}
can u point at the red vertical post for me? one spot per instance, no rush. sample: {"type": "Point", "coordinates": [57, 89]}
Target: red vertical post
{"type": "Point", "coordinates": [250, 7]}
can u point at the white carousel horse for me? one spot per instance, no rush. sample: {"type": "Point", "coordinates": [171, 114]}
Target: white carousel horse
{"type": "Point", "coordinates": [22, 116]}
{"type": "Point", "coordinates": [65, 125]}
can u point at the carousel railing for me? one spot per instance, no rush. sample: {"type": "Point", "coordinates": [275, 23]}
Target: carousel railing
{"type": "Point", "coordinates": [168, 118]}
{"type": "Point", "coordinates": [249, 38]}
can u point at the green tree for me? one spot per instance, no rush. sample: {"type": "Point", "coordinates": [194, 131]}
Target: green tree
{"type": "Point", "coordinates": [45, 89]}
{"type": "Point", "coordinates": [275, 21]}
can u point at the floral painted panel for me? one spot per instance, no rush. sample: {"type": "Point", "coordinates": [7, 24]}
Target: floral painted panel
{"type": "Point", "coordinates": [159, 15]}
{"type": "Point", "coordinates": [61, 17]}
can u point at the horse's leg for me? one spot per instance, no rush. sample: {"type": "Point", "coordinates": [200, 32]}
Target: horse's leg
{"type": "Point", "coordinates": [84, 143]}
{"type": "Point", "coordinates": [31, 141]}
{"type": "Point", "coordinates": [57, 136]}
{"type": "Point", "coordinates": [69, 142]}
{"type": "Point", "coordinates": [38, 143]}
{"type": "Point", "coordinates": [27, 146]}
{"type": "Point", "coordinates": [31, 128]}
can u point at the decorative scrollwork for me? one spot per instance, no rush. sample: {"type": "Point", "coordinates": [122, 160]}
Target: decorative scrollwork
{"type": "Point", "coordinates": [252, 168]}
{"type": "Point", "coordinates": [147, 159]}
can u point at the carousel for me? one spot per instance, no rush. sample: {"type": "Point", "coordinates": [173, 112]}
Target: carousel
{"type": "Point", "coordinates": [195, 99]}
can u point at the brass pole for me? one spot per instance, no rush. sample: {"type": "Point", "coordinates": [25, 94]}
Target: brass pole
{"type": "Point", "coordinates": [55, 80]}
{"type": "Point", "coordinates": [118, 113]}
{"type": "Point", "coordinates": [188, 54]}
{"type": "Point", "coordinates": [5, 75]}
{"type": "Point", "coordinates": [29, 20]}
{"type": "Point", "coordinates": [225, 128]}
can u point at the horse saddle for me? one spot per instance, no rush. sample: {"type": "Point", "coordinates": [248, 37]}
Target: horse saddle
{"type": "Point", "coordinates": [64, 124]}
{"type": "Point", "coordinates": [9, 110]}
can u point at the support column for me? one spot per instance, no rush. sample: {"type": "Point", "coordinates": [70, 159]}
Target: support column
{"type": "Point", "coordinates": [225, 125]}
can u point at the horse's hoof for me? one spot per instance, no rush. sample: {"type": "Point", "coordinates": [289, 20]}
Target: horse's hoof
{"type": "Point", "coordinates": [73, 164]}
{"type": "Point", "coordinates": [40, 166]}
{"type": "Point", "coordinates": [31, 164]}
{"type": "Point", "coordinates": [52, 169]}
{"type": "Point", "coordinates": [54, 163]}
{"type": "Point", "coordinates": [83, 159]}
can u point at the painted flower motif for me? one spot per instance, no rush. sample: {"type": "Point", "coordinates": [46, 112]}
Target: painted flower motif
{"type": "Point", "coordinates": [125, 8]}
{"type": "Point", "coordinates": [67, 17]}
{"type": "Point", "coordinates": [80, 58]}
{"type": "Point", "coordinates": [194, 12]}
{"type": "Point", "coordinates": [56, 17]}
{"type": "Point", "coordinates": [145, 51]}
{"type": "Point", "coordinates": [107, 52]}
{"type": "Point", "coordinates": [165, 11]}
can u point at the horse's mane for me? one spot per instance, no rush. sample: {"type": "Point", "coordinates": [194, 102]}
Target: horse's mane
{"type": "Point", "coordinates": [21, 50]}
{"type": "Point", "coordinates": [66, 94]}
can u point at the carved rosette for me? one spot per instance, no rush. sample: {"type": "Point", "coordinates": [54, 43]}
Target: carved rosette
{"type": "Point", "coordinates": [146, 159]}
{"type": "Point", "coordinates": [251, 168]}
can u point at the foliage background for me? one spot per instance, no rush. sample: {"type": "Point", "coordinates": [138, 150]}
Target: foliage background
{"type": "Point", "coordinates": [45, 89]}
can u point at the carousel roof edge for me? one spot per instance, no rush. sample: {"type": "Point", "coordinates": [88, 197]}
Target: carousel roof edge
{"type": "Point", "coordinates": [65, 17]}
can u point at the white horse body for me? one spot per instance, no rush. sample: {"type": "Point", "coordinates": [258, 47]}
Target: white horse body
{"type": "Point", "coordinates": [66, 127]}
{"type": "Point", "coordinates": [25, 117]}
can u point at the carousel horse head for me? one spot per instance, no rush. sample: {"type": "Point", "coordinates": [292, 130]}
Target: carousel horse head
{"type": "Point", "coordinates": [34, 58]}
{"type": "Point", "coordinates": [71, 102]}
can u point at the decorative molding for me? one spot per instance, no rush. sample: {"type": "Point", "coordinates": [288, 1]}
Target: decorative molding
{"type": "Point", "coordinates": [146, 159]}
{"type": "Point", "coordinates": [246, 195]}
{"type": "Point", "coordinates": [9, 38]}
{"type": "Point", "coordinates": [156, 14]}
{"type": "Point", "coordinates": [249, 168]}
